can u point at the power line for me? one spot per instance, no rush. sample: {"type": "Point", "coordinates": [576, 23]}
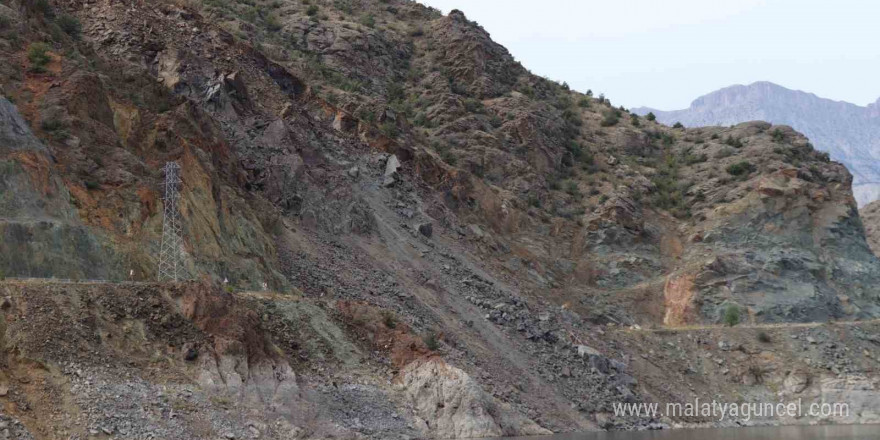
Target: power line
{"type": "Point", "coordinates": [171, 251]}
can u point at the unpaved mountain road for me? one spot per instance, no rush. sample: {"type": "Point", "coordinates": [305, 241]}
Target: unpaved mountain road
{"type": "Point", "coordinates": [782, 325]}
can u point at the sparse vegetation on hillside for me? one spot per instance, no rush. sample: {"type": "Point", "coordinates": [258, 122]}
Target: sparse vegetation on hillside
{"type": "Point", "coordinates": [669, 193]}
{"type": "Point", "coordinates": [38, 55]}
{"type": "Point", "coordinates": [731, 315]}
{"type": "Point", "coordinates": [610, 117]}
{"type": "Point", "coordinates": [741, 168]}
{"type": "Point", "coordinates": [733, 142]}
{"type": "Point", "coordinates": [431, 340]}
{"type": "Point", "coordinates": [70, 25]}
{"type": "Point", "coordinates": [520, 208]}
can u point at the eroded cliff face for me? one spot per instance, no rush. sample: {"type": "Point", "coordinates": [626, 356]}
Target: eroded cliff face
{"type": "Point", "coordinates": [42, 233]}
{"type": "Point", "coordinates": [871, 221]}
{"type": "Point", "coordinates": [434, 224]}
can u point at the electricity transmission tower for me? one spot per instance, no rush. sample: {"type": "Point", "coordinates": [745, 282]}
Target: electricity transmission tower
{"type": "Point", "coordinates": [171, 251]}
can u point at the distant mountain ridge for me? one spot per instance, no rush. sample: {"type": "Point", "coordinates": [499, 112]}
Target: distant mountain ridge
{"type": "Point", "coordinates": [850, 133]}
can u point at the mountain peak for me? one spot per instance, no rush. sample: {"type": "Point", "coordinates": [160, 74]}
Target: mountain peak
{"type": "Point", "coordinates": [758, 90]}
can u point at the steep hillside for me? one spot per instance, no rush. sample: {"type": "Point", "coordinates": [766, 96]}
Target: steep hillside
{"type": "Point", "coordinates": [848, 132]}
{"type": "Point", "coordinates": [871, 216]}
{"type": "Point", "coordinates": [451, 246]}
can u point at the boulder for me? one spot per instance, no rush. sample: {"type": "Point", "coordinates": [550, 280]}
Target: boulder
{"type": "Point", "coordinates": [426, 229]}
{"type": "Point", "coordinates": [584, 350]}
{"type": "Point", "coordinates": [795, 382]}
{"type": "Point", "coordinates": [456, 406]}
{"type": "Point", "coordinates": [392, 165]}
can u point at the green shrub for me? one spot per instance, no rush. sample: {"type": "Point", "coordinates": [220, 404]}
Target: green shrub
{"type": "Point", "coordinates": [70, 25]}
{"type": "Point", "coordinates": [678, 125]}
{"type": "Point", "coordinates": [651, 117]}
{"type": "Point", "coordinates": [733, 142]}
{"type": "Point", "coordinates": [55, 129]}
{"type": "Point", "coordinates": [448, 157]}
{"type": "Point", "coordinates": [724, 152]}
{"type": "Point", "coordinates": [634, 120]}
{"type": "Point", "coordinates": [273, 24]}
{"type": "Point", "coordinates": [584, 103]}
{"type": "Point", "coordinates": [312, 10]}
{"type": "Point", "coordinates": [389, 319]}
{"type": "Point", "coordinates": [473, 105]}
{"type": "Point", "coordinates": [368, 21]}
{"type": "Point", "coordinates": [731, 315]}
{"type": "Point", "coordinates": [51, 125]}
{"type": "Point", "coordinates": [367, 115]}
{"type": "Point", "coordinates": [431, 340]}
{"type": "Point", "coordinates": [764, 338]}
{"type": "Point", "coordinates": [389, 129]}
{"type": "Point", "coordinates": [44, 7]}
{"type": "Point", "coordinates": [92, 184]}
{"type": "Point", "coordinates": [344, 6]}
{"type": "Point", "coordinates": [692, 159]}
{"type": "Point", "coordinates": [778, 136]}
{"type": "Point", "coordinates": [571, 187]}
{"type": "Point", "coordinates": [396, 92]}
{"type": "Point", "coordinates": [38, 55]}
{"type": "Point", "coordinates": [610, 118]}
{"type": "Point", "coordinates": [742, 168]}
{"type": "Point", "coordinates": [575, 149]}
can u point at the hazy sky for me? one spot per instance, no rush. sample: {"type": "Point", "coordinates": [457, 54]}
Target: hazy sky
{"type": "Point", "coordinates": [665, 53]}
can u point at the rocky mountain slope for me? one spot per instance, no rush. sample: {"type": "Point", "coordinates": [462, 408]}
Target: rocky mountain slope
{"type": "Point", "coordinates": [452, 247]}
{"type": "Point", "coordinates": [870, 214]}
{"type": "Point", "coordinates": [847, 131]}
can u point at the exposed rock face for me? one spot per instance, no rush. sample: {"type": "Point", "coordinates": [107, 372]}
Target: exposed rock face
{"type": "Point", "coordinates": [860, 393]}
{"type": "Point", "coordinates": [40, 228]}
{"type": "Point", "coordinates": [473, 61]}
{"type": "Point", "coordinates": [870, 215]}
{"type": "Point", "coordinates": [451, 405]}
{"type": "Point", "coordinates": [395, 200]}
{"type": "Point", "coordinates": [847, 131]}
{"type": "Point", "coordinates": [799, 230]}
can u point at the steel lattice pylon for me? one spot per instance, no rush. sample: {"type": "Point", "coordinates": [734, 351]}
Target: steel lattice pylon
{"type": "Point", "coordinates": [171, 251]}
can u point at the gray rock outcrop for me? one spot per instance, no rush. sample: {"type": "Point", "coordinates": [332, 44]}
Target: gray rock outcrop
{"type": "Point", "coordinates": [450, 404]}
